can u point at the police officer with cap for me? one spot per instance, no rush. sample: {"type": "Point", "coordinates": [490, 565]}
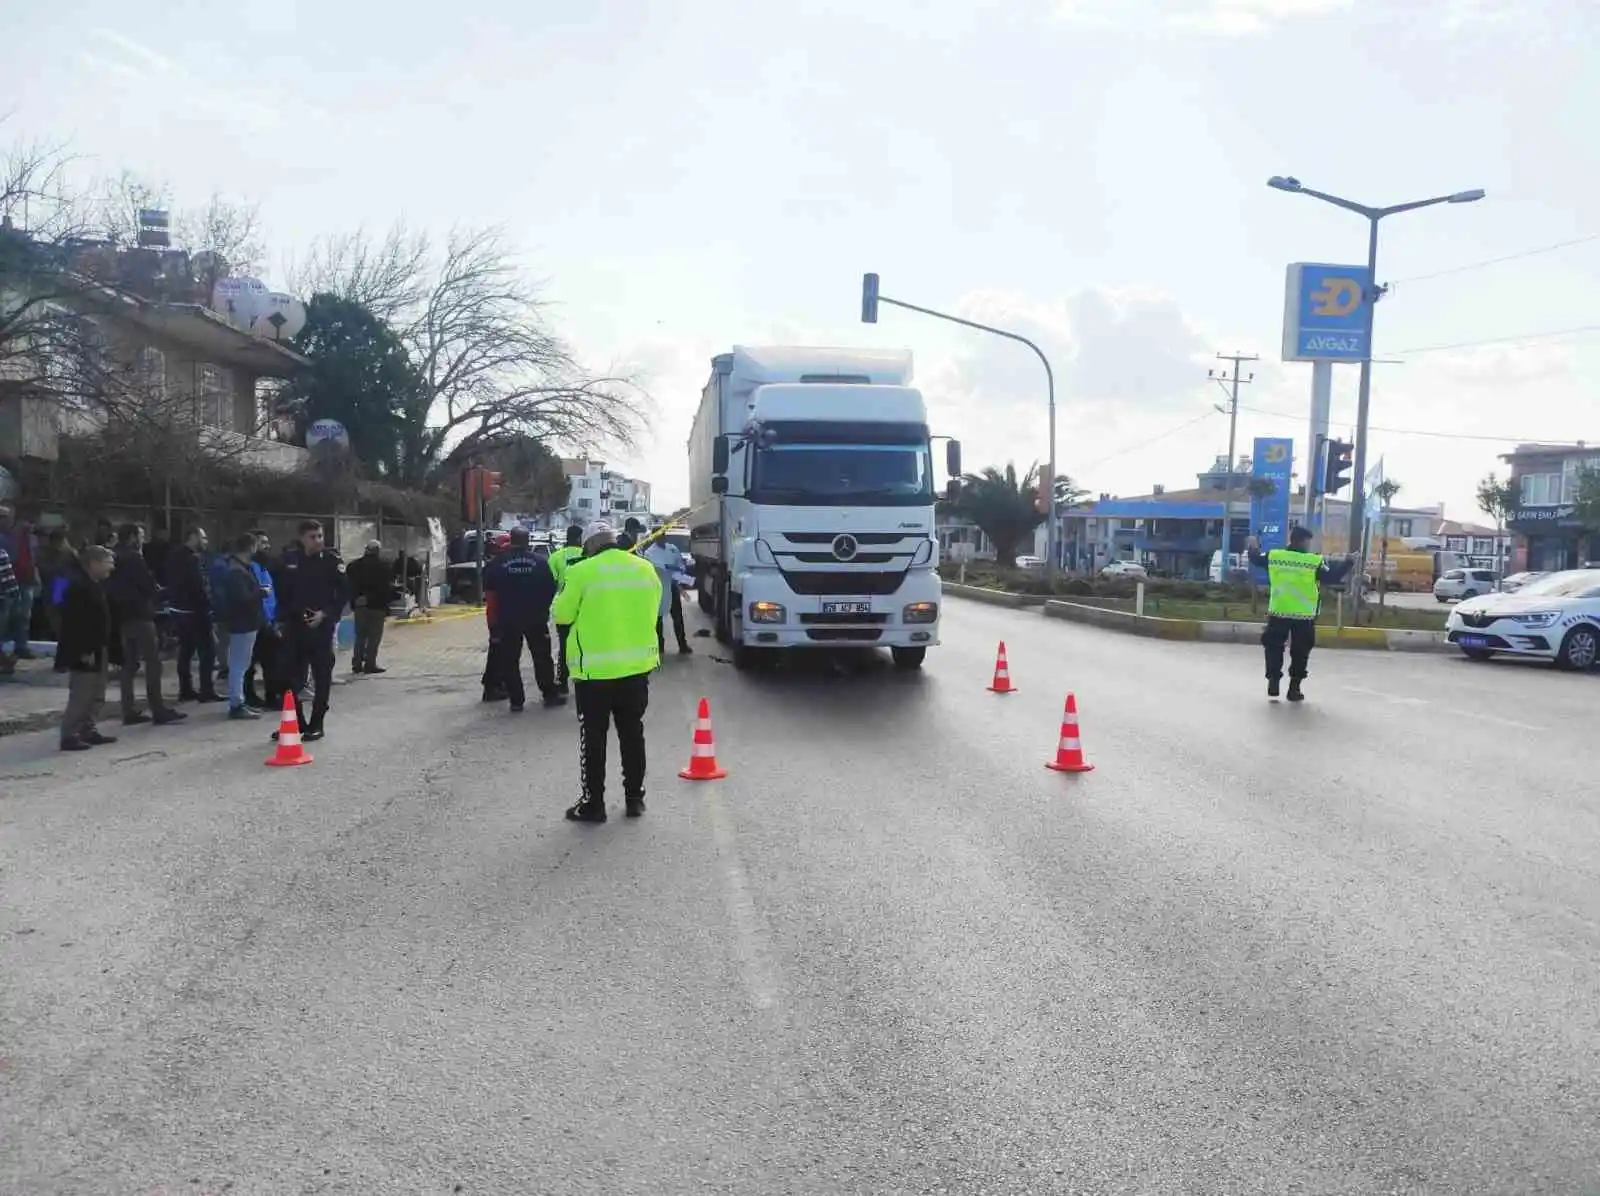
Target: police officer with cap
{"type": "Point", "coordinates": [1296, 575]}
{"type": "Point", "coordinates": [608, 603]}
{"type": "Point", "coordinates": [523, 588]}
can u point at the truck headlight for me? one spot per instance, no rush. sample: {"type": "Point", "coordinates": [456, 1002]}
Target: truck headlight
{"type": "Point", "coordinates": [1538, 618]}
{"type": "Point", "coordinates": [921, 612]}
{"type": "Point", "coordinates": [767, 612]}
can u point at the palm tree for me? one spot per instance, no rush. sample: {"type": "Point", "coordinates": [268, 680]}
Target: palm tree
{"type": "Point", "coordinates": [1385, 492]}
{"type": "Point", "coordinates": [1005, 507]}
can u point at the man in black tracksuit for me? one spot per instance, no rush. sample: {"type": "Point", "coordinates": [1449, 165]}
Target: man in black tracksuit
{"type": "Point", "coordinates": [524, 587]}
{"type": "Point", "coordinates": [312, 593]}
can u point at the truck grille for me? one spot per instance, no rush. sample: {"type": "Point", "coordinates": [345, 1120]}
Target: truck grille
{"type": "Point", "coordinates": [865, 583]}
{"type": "Point", "coordinates": [862, 538]}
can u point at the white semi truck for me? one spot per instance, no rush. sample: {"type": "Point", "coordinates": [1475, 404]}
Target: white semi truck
{"type": "Point", "coordinates": [812, 483]}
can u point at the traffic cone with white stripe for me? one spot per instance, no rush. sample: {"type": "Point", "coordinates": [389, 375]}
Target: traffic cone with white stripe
{"type": "Point", "coordinates": [1069, 748]}
{"type": "Point", "coordinates": [1002, 673]}
{"type": "Point", "coordinates": [290, 750]}
{"type": "Point", "coordinates": [703, 754]}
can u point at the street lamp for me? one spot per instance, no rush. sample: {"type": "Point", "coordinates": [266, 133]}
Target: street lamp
{"type": "Point", "coordinates": [1358, 478]}
{"type": "Point", "coordinates": [871, 298]}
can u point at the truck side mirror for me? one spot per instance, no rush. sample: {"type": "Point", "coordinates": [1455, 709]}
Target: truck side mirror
{"type": "Point", "coordinates": [719, 484]}
{"type": "Point", "coordinates": [952, 458]}
{"type": "Point", "coordinates": [953, 490]}
{"type": "Point", "coordinates": [719, 457]}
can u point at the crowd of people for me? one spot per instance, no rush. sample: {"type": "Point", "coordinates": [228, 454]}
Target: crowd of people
{"type": "Point", "coordinates": [265, 624]}
{"type": "Point", "coordinates": [262, 623]}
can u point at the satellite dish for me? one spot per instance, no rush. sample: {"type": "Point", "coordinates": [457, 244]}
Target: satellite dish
{"type": "Point", "coordinates": [280, 317]}
{"type": "Point", "coordinates": [239, 300]}
{"type": "Point", "coordinates": [327, 431]}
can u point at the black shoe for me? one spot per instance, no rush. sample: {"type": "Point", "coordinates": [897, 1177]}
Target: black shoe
{"type": "Point", "coordinates": [1294, 692]}
{"type": "Point", "coordinates": [313, 733]}
{"type": "Point", "coordinates": [243, 712]}
{"type": "Point", "coordinates": [634, 807]}
{"type": "Point", "coordinates": [138, 716]}
{"type": "Point", "coordinates": [188, 695]}
{"type": "Point", "coordinates": [74, 745]}
{"type": "Point", "coordinates": [685, 650]}
{"type": "Point", "coordinates": [211, 696]}
{"type": "Point", "coordinates": [1272, 687]}
{"type": "Point", "coordinates": [167, 717]}
{"type": "Point", "coordinates": [374, 670]}
{"type": "Point", "coordinates": [587, 811]}
{"type": "Point", "coordinates": [494, 695]}
{"type": "Point", "coordinates": [518, 707]}
{"type": "Point", "coordinates": [555, 699]}
{"type": "Point", "coordinates": [95, 739]}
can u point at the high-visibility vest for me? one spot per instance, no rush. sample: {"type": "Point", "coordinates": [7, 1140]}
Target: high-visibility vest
{"type": "Point", "coordinates": [1293, 576]}
{"type": "Point", "coordinates": [610, 601]}
{"type": "Point", "coordinates": [561, 560]}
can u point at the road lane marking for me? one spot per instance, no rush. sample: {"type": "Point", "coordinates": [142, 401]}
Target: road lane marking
{"type": "Point", "coordinates": [750, 938]}
{"type": "Point", "coordinates": [1469, 715]}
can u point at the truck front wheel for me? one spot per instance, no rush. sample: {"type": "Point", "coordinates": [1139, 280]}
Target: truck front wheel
{"type": "Point", "coordinates": [908, 658]}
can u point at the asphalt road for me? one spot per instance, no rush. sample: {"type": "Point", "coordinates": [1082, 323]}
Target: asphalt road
{"type": "Point", "coordinates": [1349, 947]}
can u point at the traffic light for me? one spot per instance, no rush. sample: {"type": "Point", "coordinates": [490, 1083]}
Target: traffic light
{"type": "Point", "coordinates": [470, 494]}
{"type": "Point", "coordinates": [490, 483]}
{"type": "Point", "coordinates": [1340, 461]}
{"type": "Point", "coordinates": [869, 298]}
{"type": "Point", "coordinates": [1041, 499]}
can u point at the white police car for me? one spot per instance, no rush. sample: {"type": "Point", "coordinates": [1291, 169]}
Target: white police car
{"type": "Point", "coordinates": [1556, 617]}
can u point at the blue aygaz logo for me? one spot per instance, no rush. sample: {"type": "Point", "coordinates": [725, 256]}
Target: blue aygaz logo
{"type": "Point", "coordinates": [1272, 459]}
{"type": "Point", "coordinates": [1326, 313]}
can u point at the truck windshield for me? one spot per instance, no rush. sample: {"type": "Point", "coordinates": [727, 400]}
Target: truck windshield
{"type": "Point", "coordinates": [891, 475]}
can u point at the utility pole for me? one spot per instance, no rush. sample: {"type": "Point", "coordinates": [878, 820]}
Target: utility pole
{"type": "Point", "coordinates": [1231, 384]}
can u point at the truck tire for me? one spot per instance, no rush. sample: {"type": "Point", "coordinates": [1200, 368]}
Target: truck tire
{"type": "Point", "coordinates": [908, 658]}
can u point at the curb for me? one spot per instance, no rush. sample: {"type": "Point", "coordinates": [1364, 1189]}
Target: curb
{"type": "Point", "coordinates": [994, 597]}
{"type": "Point", "coordinates": [1214, 631]}
{"type": "Point", "coordinates": [430, 620]}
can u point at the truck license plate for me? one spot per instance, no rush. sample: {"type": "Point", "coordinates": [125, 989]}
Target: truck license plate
{"type": "Point", "coordinates": [847, 608]}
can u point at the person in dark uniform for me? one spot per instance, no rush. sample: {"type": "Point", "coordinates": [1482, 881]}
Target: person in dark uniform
{"type": "Point", "coordinates": [560, 561]}
{"type": "Point", "coordinates": [1296, 576]}
{"type": "Point", "coordinates": [191, 601]}
{"type": "Point", "coordinates": [524, 588]}
{"type": "Point", "coordinates": [312, 594]}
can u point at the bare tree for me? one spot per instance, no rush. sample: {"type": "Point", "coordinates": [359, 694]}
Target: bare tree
{"type": "Point", "coordinates": [476, 329]}
{"type": "Point", "coordinates": [388, 277]}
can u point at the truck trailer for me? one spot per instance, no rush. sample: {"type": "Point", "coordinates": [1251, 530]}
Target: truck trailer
{"type": "Point", "coordinates": [811, 478]}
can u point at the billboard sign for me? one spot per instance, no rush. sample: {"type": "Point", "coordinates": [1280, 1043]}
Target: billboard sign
{"type": "Point", "coordinates": [1272, 460]}
{"type": "Point", "coordinates": [1326, 314]}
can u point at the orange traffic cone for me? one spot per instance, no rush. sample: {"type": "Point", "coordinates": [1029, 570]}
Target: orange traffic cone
{"type": "Point", "coordinates": [703, 755]}
{"type": "Point", "coordinates": [1002, 673]}
{"type": "Point", "coordinates": [290, 750]}
{"type": "Point", "coordinates": [1069, 750]}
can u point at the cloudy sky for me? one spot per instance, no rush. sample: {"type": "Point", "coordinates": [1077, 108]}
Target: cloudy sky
{"type": "Point", "coordinates": [693, 174]}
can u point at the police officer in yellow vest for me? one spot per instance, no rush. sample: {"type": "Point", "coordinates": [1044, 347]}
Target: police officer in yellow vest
{"type": "Point", "coordinates": [1296, 576]}
{"type": "Point", "coordinates": [560, 561]}
{"type": "Point", "coordinates": [608, 603]}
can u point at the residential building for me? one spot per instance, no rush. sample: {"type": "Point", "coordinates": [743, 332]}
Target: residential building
{"type": "Point", "coordinates": [595, 492]}
{"type": "Point", "coordinates": [1548, 534]}
{"type": "Point", "coordinates": [175, 362]}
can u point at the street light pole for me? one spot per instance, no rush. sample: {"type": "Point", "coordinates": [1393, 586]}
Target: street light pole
{"type": "Point", "coordinates": [1358, 479]}
{"type": "Point", "coordinates": [870, 299]}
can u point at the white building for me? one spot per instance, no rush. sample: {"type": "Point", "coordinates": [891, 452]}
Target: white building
{"type": "Point", "coordinates": [595, 492]}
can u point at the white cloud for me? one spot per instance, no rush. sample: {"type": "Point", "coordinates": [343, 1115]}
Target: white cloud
{"type": "Point", "coordinates": [1228, 18]}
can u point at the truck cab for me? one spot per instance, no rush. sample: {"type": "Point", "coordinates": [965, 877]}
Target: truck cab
{"type": "Point", "coordinates": [821, 529]}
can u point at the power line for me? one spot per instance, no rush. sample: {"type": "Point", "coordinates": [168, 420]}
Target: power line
{"type": "Point", "coordinates": [1418, 431]}
{"type": "Point", "coordinates": [1495, 261]}
{"type": "Point", "coordinates": [1522, 338]}
{"type": "Point", "coordinates": [1147, 440]}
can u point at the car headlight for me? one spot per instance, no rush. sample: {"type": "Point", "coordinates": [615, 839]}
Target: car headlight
{"type": "Point", "coordinates": [1537, 618]}
{"type": "Point", "coordinates": [920, 612]}
{"type": "Point", "coordinates": [767, 612]}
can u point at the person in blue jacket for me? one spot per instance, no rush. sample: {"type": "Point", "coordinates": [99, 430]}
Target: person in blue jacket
{"type": "Point", "coordinates": [264, 658]}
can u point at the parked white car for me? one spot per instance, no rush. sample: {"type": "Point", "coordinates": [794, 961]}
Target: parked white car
{"type": "Point", "coordinates": [1464, 583]}
{"type": "Point", "coordinates": [1030, 562]}
{"type": "Point", "coordinates": [1556, 617]}
{"type": "Point", "coordinates": [1128, 569]}
{"type": "Point", "coordinates": [1516, 581]}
